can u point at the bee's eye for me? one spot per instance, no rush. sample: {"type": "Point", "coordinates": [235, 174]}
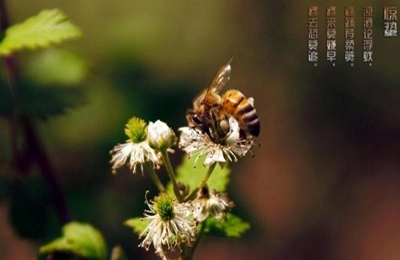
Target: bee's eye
{"type": "Point", "coordinates": [196, 119]}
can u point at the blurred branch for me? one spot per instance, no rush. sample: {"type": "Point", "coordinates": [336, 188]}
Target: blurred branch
{"type": "Point", "coordinates": [3, 16]}
{"type": "Point", "coordinates": [47, 171]}
{"type": "Point", "coordinates": [34, 150]}
{"type": "Point", "coordinates": [12, 76]}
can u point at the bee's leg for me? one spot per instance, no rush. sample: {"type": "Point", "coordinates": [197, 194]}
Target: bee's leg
{"type": "Point", "coordinates": [242, 134]}
{"type": "Point", "coordinates": [224, 126]}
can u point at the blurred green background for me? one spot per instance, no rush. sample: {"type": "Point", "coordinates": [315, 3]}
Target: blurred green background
{"type": "Point", "coordinates": [324, 183]}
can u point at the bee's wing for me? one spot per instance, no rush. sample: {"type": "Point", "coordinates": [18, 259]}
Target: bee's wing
{"type": "Point", "coordinates": [221, 78]}
{"type": "Point", "coordinates": [219, 81]}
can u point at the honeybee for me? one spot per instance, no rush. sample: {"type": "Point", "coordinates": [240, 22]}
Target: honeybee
{"type": "Point", "coordinates": [211, 112]}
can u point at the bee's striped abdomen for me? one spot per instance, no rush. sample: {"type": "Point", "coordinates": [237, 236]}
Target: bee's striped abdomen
{"type": "Point", "coordinates": [237, 105]}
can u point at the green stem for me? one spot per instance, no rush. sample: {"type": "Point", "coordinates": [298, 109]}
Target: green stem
{"type": "Point", "coordinates": [171, 175]}
{"type": "Point", "coordinates": [183, 252]}
{"type": "Point", "coordinates": [202, 184]}
{"type": "Point", "coordinates": [188, 252]}
{"type": "Point", "coordinates": [154, 177]}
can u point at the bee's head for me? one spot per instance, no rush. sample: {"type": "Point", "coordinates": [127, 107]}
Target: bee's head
{"type": "Point", "coordinates": [193, 119]}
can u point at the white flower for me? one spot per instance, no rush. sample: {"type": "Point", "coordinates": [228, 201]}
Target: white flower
{"type": "Point", "coordinates": [171, 224]}
{"type": "Point", "coordinates": [136, 150]}
{"type": "Point", "coordinates": [135, 154]}
{"type": "Point", "coordinates": [234, 145]}
{"type": "Point", "coordinates": [214, 203]}
{"type": "Point", "coordinates": [160, 136]}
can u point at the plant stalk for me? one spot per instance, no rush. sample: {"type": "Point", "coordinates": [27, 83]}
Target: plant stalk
{"type": "Point", "coordinates": [171, 175]}
{"type": "Point", "coordinates": [154, 177]}
{"type": "Point", "coordinates": [202, 184]}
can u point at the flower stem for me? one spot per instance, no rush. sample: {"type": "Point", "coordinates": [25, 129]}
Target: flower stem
{"type": "Point", "coordinates": [171, 175]}
{"type": "Point", "coordinates": [154, 177]}
{"type": "Point", "coordinates": [202, 184]}
{"type": "Point", "coordinates": [189, 252]}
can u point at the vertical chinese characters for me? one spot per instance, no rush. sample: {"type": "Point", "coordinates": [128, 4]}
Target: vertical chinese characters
{"type": "Point", "coordinates": [313, 34]}
{"type": "Point", "coordinates": [390, 21]}
{"type": "Point", "coordinates": [367, 34]}
{"type": "Point", "coordinates": [349, 35]}
{"type": "Point", "coordinates": [331, 34]}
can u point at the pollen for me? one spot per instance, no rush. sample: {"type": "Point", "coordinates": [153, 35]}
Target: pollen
{"type": "Point", "coordinates": [164, 207]}
{"type": "Point", "coordinates": [135, 129]}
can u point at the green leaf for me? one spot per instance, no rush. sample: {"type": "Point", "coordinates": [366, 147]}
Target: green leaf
{"type": "Point", "coordinates": [231, 226]}
{"type": "Point", "coordinates": [49, 85]}
{"type": "Point", "coordinates": [56, 67]}
{"type": "Point", "coordinates": [80, 240]}
{"type": "Point", "coordinates": [43, 103]}
{"type": "Point", "coordinates": [191, 173]}
{"type": "Point", "coordinates": [46, 28]}
{"type": "Point", "coordinates": [137, 224]}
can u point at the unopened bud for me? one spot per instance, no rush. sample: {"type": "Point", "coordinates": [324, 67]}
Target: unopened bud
{"type": "Point", "coordinates": [160, 136]}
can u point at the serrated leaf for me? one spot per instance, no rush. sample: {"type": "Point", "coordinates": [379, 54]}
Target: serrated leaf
{"type": "Point", "coordinates": [137, 224]}
{"type": "Point", "coordinates": [46, 28]}
{"type": "Point", "coordinates": [231, 226]}
{"type": "Point", "coordinates": [43, 103]}
{"type": "Point", "coordinates": [81, 240]}
{"type": "Point", "coordinates": [191, 173]}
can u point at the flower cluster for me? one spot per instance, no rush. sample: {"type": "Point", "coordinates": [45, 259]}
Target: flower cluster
{"type": "Point", "coordinates": [174, 216]}
{"type": "Point", "coordinates": [173, 221]}
{"type": "Point", "coordinates": [143, 145]}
